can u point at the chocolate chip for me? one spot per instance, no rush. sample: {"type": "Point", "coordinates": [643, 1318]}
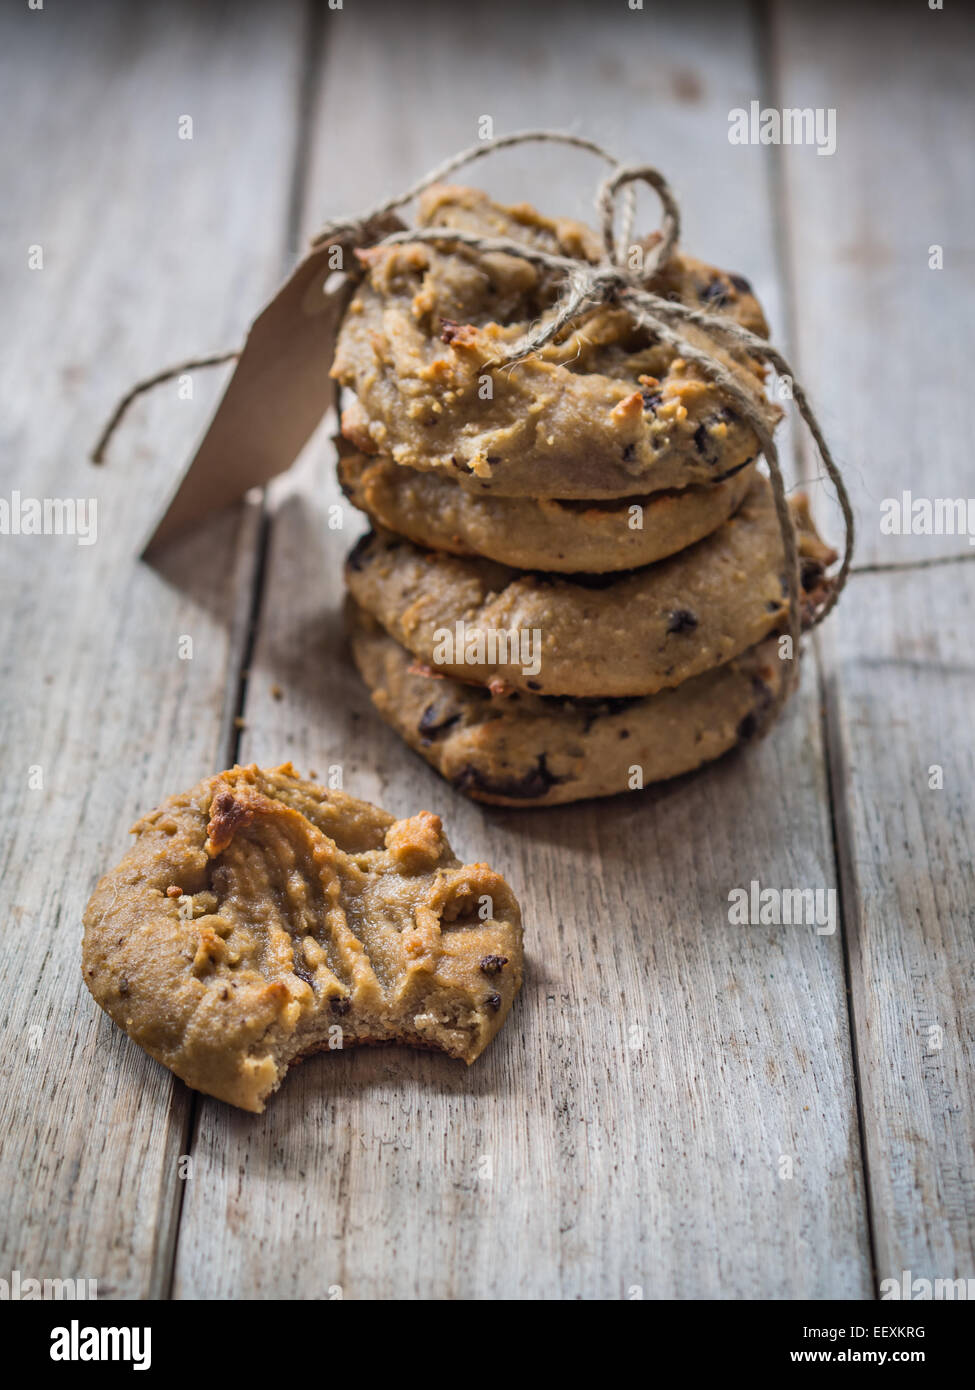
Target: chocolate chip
{"type": "Point", "coordinates": [681, 620]}
{"type": "Point", "coordinates": [810, 573]}
{"type": "Point", "coordinates": [591, 710]}
{"type": "Point", "coordinates": [715, 292]}
{"type": "Point", "coordinates": [493, 1001]}
{"type": "Point", "coordinates": [533, 685]}
{"type": "Point", "coordinates": [528, 787]}
{"type": "Point", "coordinates": [705, 445]}
{"type": "Point", "coordinates": [740, 284]}
{"type": "Point", "coordinates": [629, 453]}
{"type": "Point", "coordinates": [123, 986]}
{"type": "Point", "coordinates": [355, 560]}
{"type": "Point", "coordinates": [303, 974]}
{"type": "Point", "coordinates": [341, 1004]}
{"type": "Point", "coordinates": [651, 399]}
{"type": "Point", "coordinates": [433, 724]}
{"type": "Point", "coordinates": [494, 458]}
{"type": "Point", "coordinates": [449, 330]}
{"type": "Point", "coordinates": [747, 727]}
{"type": "Point", "coordinates": [492, 965]}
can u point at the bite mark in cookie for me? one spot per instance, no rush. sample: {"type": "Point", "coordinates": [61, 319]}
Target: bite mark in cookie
{"type": "Point", "coordinates": [298, 911]}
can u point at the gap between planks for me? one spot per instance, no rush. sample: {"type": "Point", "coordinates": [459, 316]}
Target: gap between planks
{"type": "Point", "coordinates": [768, 64]}
{"type": "Point", "coordinates": [251, 571]}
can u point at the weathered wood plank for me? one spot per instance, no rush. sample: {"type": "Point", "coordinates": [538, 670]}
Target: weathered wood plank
{"type": "Point", "coordinates": [615, 1166]}
{"type": "Point", "coordinates": [153, 248]}
{"type": "Point", "coordinates": [886, 343]}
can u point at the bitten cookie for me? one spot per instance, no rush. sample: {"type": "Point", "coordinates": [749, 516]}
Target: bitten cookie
{"type": "Point", "coordinates": [259, 918]}
{"type": "Point", "coordinates": [606, 410]}
{"type": "Point", "coordinates": [566, 535]}
{"type": "Point", "coordinates": [624, 634]}
{"type": "Point", "coordinates": [530, 750]}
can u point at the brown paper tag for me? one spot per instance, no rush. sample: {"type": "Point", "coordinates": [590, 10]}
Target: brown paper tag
{"type": "Point", "coordinates": [279, 391]}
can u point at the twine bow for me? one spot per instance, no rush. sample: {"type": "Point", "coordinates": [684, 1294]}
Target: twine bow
{"type": "Point", "coordinates": [613, 280]}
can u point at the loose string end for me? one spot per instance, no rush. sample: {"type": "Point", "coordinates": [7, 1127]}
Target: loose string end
{"type": "Point", "coordinates": [97, 455]}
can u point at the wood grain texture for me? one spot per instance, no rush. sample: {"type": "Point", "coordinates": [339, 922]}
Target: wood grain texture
{"type": "Point", "coordinates": [887, 344]}
{"type": "Point", "coordinates": [625, 1132]}
{"type": "Point", "coordinates": [153, 248]}
{"type": "Point", "coordinates": [659, 1063]}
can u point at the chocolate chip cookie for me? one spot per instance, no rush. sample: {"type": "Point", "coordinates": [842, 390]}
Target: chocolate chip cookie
{"type": "Point", "coordinates": [604, 410]}
{"type": "Point", "coordinates": [259, 918]}
{"type": "Point", "coordinates": [632, 633]}
{"type": "Point", "coordinates": [560, 534]}
{"type": "Point", "coordinates": [531, 750]}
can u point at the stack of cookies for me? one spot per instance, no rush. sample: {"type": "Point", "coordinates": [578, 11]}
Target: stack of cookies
{"type": "Point", "coordinates": [575, 581]}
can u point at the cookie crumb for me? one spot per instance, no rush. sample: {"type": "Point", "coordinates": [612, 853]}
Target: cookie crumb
{"type": "Point", "coordinates": [463, 334]}
{"type": "Point", "coordinates": [226, 816]}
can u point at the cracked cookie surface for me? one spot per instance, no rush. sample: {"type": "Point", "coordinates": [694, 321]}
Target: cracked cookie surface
{"type": "Point", "coordinates": [259, 918]}
{"type": "Point", "coordinates": [557, 534]}
{"type": "Point", "coordinates": [530, 750]}
{"type": "Point", "coordinates": [603, 411]}
{"type": "Point", "coordinates": [630, 633]}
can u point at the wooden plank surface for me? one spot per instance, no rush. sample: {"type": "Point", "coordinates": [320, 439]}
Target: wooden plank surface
{"type": "Point", "coordinates": [153, 248]}
{"type": "Point", "coordinates": [626, 1132]}
{"type": "Point", "coordinates": [659, 1063]}
{"type": "Point", "coordinates": [887, 344]}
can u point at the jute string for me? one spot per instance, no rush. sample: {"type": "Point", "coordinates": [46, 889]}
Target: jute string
{"type": "Point", "coordinates": [613, 281]}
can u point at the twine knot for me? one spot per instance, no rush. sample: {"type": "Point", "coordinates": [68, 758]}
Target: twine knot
{"type": "Point", "coordinates": [605, 281]}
